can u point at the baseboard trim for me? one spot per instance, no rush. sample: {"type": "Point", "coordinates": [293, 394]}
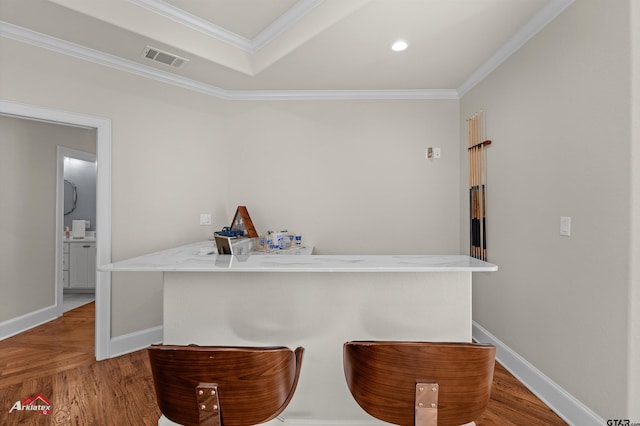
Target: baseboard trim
{"type": "Point", "coordinates": [28, 321]}
{"type": "Point", "coordinates": [559, 400]}
{"type": "Point", "coordinates": [135, 341]}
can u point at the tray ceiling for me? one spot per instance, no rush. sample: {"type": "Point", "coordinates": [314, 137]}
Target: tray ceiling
{"type": "Point", "coordinates": [277, 48]}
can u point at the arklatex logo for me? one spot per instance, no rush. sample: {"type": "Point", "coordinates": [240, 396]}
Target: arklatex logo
{"type": "Point", "coordinates": [36, 403]}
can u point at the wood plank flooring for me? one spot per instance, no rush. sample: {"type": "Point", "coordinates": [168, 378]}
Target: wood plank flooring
{"type": "Point", "coordinates": [56, 360]}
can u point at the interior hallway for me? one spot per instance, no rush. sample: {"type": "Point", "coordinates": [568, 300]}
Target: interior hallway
{"type": "Point", "coordinates": [72, 301]}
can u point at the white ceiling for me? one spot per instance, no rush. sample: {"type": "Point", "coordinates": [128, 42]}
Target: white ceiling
{"type": "Point", "coordinates": [246, 18]}
{"type": "Point", "coordinates": [290, 48]}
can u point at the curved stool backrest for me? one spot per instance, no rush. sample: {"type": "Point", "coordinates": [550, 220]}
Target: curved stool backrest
{"type": "Point", "coordinates": [222, 385]}
{"type": "Point", "coordinates": [384, 379]}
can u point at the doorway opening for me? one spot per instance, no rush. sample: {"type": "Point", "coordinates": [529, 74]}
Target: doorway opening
{"type": "Point", "coordinates": [103, 208]}
{"type": "Point", "coordinates": [76, 183]}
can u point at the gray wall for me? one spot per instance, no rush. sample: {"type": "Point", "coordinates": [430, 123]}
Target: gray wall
{"type": "Point", "coordinates": [633, 395]}
{"type": "Point", "coordinates": [558, 115]}
{"type": "Point", "coordinates": [28, 158]}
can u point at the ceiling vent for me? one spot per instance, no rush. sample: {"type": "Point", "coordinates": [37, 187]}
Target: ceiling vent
{"type": "Point", "coordinates": [164, 57]}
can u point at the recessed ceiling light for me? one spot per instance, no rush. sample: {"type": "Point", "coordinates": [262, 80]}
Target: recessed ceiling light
{"type": "Point", "coordinates": [399, 45]}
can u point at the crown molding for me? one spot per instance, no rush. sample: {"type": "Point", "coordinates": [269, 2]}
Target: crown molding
{"type": "Point", "coordinates": [187, 19]}
{"type": "Point", "coordinates": [537, 23]}
{"type": "Point", "coordinates": [81, 52]}
{"type": "Point", "coordinates": [283, 23]}
{"type": "Point", "coordinates": [266, 36]}
{"type": "Point", "coordinates": [318, 95]}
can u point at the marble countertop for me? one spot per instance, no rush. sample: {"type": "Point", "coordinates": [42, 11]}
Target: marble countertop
{"type": "Point", "coordinates": [197, 257]}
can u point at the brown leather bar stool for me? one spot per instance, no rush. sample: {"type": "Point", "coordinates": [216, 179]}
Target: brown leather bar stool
{"type": "Point", "coordinates": [223, 385]}
{"type": "Point", "coordinates": [420, 383]}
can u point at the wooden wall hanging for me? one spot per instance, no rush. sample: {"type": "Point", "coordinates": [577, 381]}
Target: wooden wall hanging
{"type": "Point", "coordinates": [242, 222]}
{"type": "Point", "coordinates": [477, 186]}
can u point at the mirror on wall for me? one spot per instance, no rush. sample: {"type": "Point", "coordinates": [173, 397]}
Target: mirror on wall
{"type": "Point", "coordinates": [79, 191]}
{"type": "Point", "coordinates": [70, 197]}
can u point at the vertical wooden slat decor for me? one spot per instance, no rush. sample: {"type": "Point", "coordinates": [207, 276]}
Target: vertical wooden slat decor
{"type": "Point", "coordinates": [477, 143]}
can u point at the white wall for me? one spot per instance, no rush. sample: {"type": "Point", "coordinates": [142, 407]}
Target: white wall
{"type": "Point", "coordinates": [557, 111]}
{"type": "Point", "coordinates": [354, 178]}
{"type": "Point", "coordinates": [558, 115]}
{"type": "Point", "coordinates": [350, 176]}
{"type": "Point", "coordinates": [166, 148]}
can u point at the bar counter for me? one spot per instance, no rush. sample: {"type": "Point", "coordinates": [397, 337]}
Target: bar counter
{"type": "Point", "coordinates": [199, 257]}
{"type": "Point", "coordinates": [315, 301]}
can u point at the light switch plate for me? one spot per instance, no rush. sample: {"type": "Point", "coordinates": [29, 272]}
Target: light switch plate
{"type": "Point", "coordinates": [565, 226]}
{"type": "Point", "coordinates": [205, 219]}
{"type": "Point", "coordinates": [432, 153]}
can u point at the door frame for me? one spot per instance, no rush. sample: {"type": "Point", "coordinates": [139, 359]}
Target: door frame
{"type": "Point", "coordinates": [103, 204]}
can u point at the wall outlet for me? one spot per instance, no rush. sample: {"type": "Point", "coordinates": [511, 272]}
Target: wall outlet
{"type": "Point", "coordinates": [205, 219]}
{"type": "Point", "coordinates": [436, 152]}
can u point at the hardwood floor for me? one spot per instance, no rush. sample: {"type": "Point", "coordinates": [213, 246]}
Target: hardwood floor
{"type": "Point", "coordinates": [56, 360]}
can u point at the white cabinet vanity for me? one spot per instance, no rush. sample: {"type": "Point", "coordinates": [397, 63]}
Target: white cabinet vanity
{"type": "Point", "coordinates": [79, 264]}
